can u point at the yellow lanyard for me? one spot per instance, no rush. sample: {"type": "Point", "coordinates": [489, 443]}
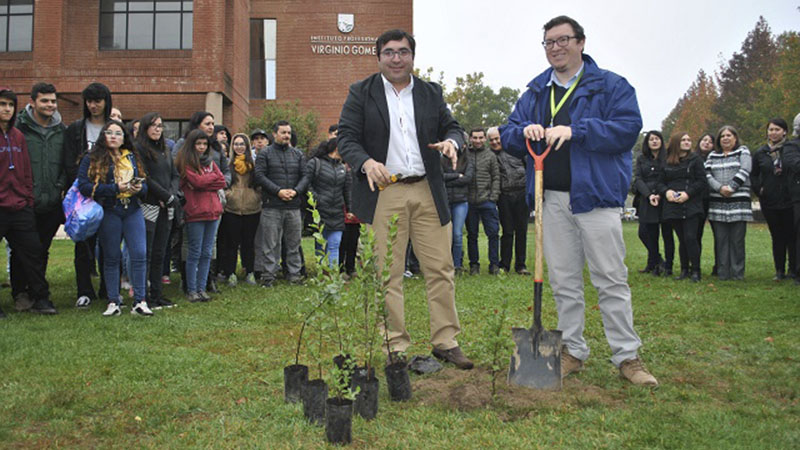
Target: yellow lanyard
{"type": "Point", "coordinates": [555, 109]}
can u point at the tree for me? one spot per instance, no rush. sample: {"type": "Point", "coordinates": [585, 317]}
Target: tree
{"type": "Point", "coordinates": [737, 80]}
{"type": "Point", "coordinates": [694, 111]}
{"type": "Point", "coordinates": [476, 105]}
{"type": "Point", "coordinates": [305, 124]}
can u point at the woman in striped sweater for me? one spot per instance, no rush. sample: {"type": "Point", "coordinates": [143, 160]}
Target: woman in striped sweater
{"type": "Point", "coordinates": [728, 174]}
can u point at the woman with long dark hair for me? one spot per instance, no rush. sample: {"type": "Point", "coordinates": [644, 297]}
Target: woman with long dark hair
{"type": "Point", "coordinates": [704, 147]}
{"type": "Point", "coordinates": [200, 181]}
{"type": "Point", "coordinates": [242, 212]}
{"type": "Point", "coordinates": [331, 188]}
{"type": "Point", "coordinates": [728, 174]}
{"type": "Point", "coordinates": [772, 188]}
{"type": "Point", "coordinates": [648, 173]}
{"type": "Point", "coordinates": [113, 174]}
{"type": "Point", "coordinates": [682, 189]}
{"type": "Point", "coordinates": [158, 206]}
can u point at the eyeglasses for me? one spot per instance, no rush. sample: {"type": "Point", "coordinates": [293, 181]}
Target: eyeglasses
{"type": "Point", "coordinates": [157, 127]}
{"type": "Point", "coordinates": [563, 41]}
{"type": "Point", "coordinates": [390, 53]}
{"type": "Point", "coordinates": [114, 133]}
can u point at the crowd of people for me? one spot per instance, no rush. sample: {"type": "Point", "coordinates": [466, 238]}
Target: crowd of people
{"type": "Point", "coordinates": [678, 186]}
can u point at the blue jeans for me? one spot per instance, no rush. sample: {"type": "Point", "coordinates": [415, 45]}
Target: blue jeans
{"type": "Point", "coordinates": [334, 240]}
{"type": "Point", "coordinates": [459, 213]}
{"type": "Point", "coordinates": [485, 212]}
{"type": "Point", "coordinates": [200, 236]}
{"type": "Point", "coordinates": [128, 223]}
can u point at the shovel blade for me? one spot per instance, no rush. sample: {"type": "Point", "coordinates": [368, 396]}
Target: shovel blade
{"type": "Point", "coordinates": [536, 362]}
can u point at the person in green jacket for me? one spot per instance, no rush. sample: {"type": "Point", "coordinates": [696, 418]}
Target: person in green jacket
{"type": "Point", "coordinates": [41, 125]}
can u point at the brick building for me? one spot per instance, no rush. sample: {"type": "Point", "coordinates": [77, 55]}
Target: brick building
{"type": "Point", "coordinates": [228, 57]}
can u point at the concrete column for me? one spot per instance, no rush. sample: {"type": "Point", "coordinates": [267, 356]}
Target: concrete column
{"type": "Point", "coordinates": [214, 105]}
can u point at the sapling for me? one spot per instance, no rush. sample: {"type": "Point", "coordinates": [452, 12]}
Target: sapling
{"type": "Point", "coordinates": [385, 276]}
{"type": "Point", "coordinates": [497, 341]}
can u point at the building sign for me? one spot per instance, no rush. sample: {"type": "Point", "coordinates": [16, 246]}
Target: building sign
{"type": "Point", "coordinates": [344, 44]}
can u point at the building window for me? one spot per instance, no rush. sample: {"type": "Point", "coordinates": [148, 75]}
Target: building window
{"type": "Point", "coordinates": [263, 36]}
{"type": "Point", "coordinates": [175, 129]}
{"type": "Point", "coordinates": [145, 25]}
{"type": "Point", "coordinates": [16, 25]}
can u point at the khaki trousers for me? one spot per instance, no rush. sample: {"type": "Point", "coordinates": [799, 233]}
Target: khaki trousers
{"type": "Point", "coordinates": [418, 221]}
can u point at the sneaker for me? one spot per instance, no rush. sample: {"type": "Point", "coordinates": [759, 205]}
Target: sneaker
{"type": "Point", "coordinates": [250, 279]}
{"type": "Point", "coordinates": [204, 296]}
{"type": "Point", "coordinates": [295, 279]}
{"type": "Point", "coordinates": [44, 306]}
{"type": "Point", "coordinates": [635, 372]}
{"type": "Point", "coordinates": [166, 280]}
{"type": "Point", "coordinates": [83, 302]}
{"type": "Point", "coordinates": [232, 280]}
{"type": "Point", "coordinates": [165, 303]}
{"type": "Point", "coordinates": [494, 270]}
{"type": "Point", "coordinates": [113, 309]}
{"type": "Point", "coordinates": [408, 274]}
{"type": "Point", "coordinates": [523, 271]}
{"type": "Point", "coordinates": [154, 304]}
{"type": "Point", "coordinates": [193, 297]}
{"type": "Point", "coordinates": [141, 309]}
{"type": "Point", "coordinates": [455, 356]}
{"type": "Point", "coordinates": [569, 363]}
{"type": "Point", "coordinates": [22, 302]}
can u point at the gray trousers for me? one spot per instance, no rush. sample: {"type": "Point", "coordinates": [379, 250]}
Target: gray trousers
{"type": "Point", "coordinates": [593, 238]}
{"type": "Point", "coordinates": [729, 248]}
{"type": "Point", "coordinates": [276, 224]}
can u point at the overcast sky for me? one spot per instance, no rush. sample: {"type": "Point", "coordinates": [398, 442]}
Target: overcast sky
{"type": "Point", "coordinates": [659, 46]}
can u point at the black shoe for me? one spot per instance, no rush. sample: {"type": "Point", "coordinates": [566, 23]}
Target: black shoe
{"type": "Point", "coordinates": [695, 276]}
{"type": "Point", "coordinates": [494, 270]}
{"type": "Point", "coordinates": [44, 306]}
{"type": "Point", "coordinates": [267, 282]}
{"type": "Point", "coordinates": [474, 269]}
{"type": "Point", "coordinates": [165, 303]}
{"type": "Point", "coordinates": [658, 270]}
{"type": "Point", "coordinates": [649, 268]}
{"type": "Point", "coordinates": [684, 274]}
{"type": "Point", "coordinates": [779, 276]}
{"type": "Point", "coordinates": [211, 286]}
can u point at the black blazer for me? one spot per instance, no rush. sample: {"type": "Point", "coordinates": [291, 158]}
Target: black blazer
{"type": "Point", "coordinates": [364, 134]}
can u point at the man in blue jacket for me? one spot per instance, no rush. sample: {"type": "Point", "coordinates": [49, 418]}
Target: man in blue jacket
{"type": "Point", "coordinates": [591, 119]}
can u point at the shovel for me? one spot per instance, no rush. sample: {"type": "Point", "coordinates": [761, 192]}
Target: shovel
{"type": "Point", "coordinates": [536, 362]}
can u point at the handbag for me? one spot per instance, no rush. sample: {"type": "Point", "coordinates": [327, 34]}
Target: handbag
{"type": "Point", "coordinates": [83, 214]}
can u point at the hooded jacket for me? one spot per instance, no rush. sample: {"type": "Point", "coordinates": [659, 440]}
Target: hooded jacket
{"type": "Point", "coordinates": [46, 152]}
{"type": "Point", "coordinates": [16, 178]}
{"type": "Point", "coordinates": [605, 124]}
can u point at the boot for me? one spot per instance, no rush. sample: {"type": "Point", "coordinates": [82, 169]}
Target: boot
{"type": "Point", "coordinates": [684, 274]}
{"type": "Point", "coordinates": [695, 276]}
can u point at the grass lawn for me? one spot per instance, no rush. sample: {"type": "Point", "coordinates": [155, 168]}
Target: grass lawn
{"type": "Point", "coordinates": [210, 375]}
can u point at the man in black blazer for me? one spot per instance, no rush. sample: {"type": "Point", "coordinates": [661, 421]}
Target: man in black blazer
{"type": "Point", "coordinates": [394, 124]}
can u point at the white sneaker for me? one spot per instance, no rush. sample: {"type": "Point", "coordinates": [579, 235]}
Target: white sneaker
{"type": "Point", "coordinates": [83, 302]}
{"type": "Point", "coordinates": [141, 309]}
{"type": "Point", "coordinates": [112, 310]}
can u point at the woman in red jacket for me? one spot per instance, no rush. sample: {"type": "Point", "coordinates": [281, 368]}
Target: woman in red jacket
{"type": "Point", "coordinates": [200, 181]}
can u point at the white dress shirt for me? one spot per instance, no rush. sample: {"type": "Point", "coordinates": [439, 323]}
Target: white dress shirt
{"type": "Point", "coordinates": [404, 155]}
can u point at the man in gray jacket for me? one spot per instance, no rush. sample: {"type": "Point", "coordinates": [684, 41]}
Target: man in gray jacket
{"type": "Point", "coordinates": [41, 125]}
{"type": "Point", "coordinates": [281, 173]}
{"type": "Point", "coordinates": [511, 205]}
{"type": "Point", "coordinates": [483, 193]}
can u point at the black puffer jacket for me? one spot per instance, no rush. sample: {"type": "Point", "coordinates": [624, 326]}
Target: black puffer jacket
{"type": "Point", "coordinates": [330, 185]}
{"type": "Point", "coordinates": [688, 176]}
{"type": "Point", "coordinates": [769, 180]}
{"type": "Point", "coordinates": [791, 164]}
{"type": "Point", "coordinates": [457, 185]}
{"type": "Point", "coordinates": [648, 174]}
{"type": "Point", "coordinates": [512, 173]}
{"type": "Point", "coordinates": [281, 167]}
{"type": "Point", "coordinates": [163, 180]}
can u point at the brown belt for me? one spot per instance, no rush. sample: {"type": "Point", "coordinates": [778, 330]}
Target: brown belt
{"type": "Point", "coordinates": [411, 180]}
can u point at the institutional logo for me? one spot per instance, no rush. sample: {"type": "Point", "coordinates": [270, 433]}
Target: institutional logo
{"type": "Point", "coordinates": [346, 22]}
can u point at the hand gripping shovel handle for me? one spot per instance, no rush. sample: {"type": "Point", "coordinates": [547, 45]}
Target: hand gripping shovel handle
{"type": "Point", "coordinates": [538, 276]}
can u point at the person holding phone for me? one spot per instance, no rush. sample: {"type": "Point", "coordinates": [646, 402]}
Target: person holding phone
{"type": "Point", "coordinates": [113, 174]}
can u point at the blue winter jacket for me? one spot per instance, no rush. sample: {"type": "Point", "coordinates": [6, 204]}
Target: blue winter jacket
{"type": "Point", "coordinates": [605, 124]}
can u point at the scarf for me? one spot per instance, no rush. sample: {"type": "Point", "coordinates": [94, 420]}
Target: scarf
{"type": "Point", "coordinates": [241, 165]}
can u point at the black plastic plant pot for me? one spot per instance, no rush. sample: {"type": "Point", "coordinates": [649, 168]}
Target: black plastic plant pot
{"type": "Point", "coordinates": [338, 420]}
{"type": "Point", "coordinates": [366, 404]}
{"type": "Point", "coordinates": [398, 382]}
{"type": "Point", "coordinates": [315, 392]}
{"type": "Point", "coordinates": [294, 377]}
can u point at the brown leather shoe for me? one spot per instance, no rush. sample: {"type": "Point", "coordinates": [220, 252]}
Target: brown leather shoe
{"type": "Point", "coordinates": [569, 363]}
{"type": "Point", "coordinates": [455, 356]}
